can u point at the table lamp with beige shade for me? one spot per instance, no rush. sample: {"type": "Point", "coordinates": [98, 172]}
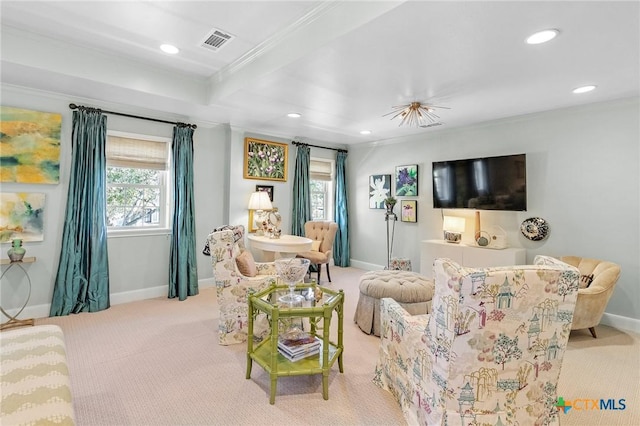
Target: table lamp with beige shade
{"type": "Point", "coordinates": [260, 204]}
{"type": "Point", "coordinates": [453, 228]}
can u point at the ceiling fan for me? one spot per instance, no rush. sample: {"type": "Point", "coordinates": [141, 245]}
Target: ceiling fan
{"type": "Point", "coordinates": [416, 114]}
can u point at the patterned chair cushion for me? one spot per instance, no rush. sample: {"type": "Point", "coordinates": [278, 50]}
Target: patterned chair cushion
{"type": "Point", "coordinates": [246, 264]}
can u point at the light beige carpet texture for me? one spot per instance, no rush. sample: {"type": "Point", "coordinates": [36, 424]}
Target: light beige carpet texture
{"type": "Point", "coordinates": [157, 362]}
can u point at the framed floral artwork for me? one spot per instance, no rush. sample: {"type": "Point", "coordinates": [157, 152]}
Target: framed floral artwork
{"type": "Point", "coordinates": [407, 181]}
{"type": "Point", "coordinates": [265, 160]}
{"type": "Point", "coordinates": [379, 189]}
{"type": "Point", "coordinates": [409, 211]}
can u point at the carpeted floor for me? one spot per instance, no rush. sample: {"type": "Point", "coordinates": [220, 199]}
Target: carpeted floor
{"type": "Point", "coordinates": [157, 362]}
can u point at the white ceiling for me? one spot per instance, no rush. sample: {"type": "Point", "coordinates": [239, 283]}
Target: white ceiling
{"type": "Point", "coordinates": [341, 64]}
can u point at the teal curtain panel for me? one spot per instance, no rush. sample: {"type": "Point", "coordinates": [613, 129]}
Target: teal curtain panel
{"type": "Point", "coordinates": [301, 191]}
{"type": "Point", "coordinates": [341, 255]}
{"type": "Point", "coordinates": [82, 280]}
{"type": "Point", "coordinates": [183, 270]}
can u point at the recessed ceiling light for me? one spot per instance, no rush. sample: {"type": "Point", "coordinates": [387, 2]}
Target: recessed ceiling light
{"type": "Point", "coordinates": [365, 132]}
{"type": "Point", "coordinates": [583, 89]}
{"type": "Point", "coordinates": [542, 36]}
{"type": "Point", "coordinates": [169, 48]}
{"type": "Point", "coordinates": [294, 115]}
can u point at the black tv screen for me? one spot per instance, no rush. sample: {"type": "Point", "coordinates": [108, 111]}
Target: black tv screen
{"type": "Point", "coordinates": [490, 183]}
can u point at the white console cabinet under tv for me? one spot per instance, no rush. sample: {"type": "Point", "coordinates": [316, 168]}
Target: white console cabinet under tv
{"type": "Point", "coordinates": [465, 255]}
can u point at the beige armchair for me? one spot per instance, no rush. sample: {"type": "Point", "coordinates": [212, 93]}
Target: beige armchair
{"type": "Point", "coordinates": [597, 281]}
{"type": "Point", "coordinates": [323, 234]}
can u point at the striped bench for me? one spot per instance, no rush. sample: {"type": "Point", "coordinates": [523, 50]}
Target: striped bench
{"type": "Point", "coordinates": [36, 388]}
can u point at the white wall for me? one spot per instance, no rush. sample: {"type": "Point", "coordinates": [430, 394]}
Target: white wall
{"type": "Point", "coordinates": [138, 266]}
{"type": "Point", "coordinates": [582, 177]}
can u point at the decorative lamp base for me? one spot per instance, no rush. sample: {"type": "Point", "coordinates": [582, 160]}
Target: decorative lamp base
{"type": "Point", "coordinates": [452, 237]}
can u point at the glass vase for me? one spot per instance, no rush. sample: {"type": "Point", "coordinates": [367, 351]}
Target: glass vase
{"type": "Point", "coordinates": [16, 251]}
{"type": "Point", "coordinates": [292, 271]}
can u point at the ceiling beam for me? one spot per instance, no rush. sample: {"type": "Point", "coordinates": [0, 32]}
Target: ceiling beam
{"type": "Point", "coordinates": [326, 22]}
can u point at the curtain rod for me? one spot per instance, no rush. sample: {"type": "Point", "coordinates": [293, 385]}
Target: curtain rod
{"type": "Point", "coordinates": [318, 146]}
{"type": "Point", "coordinates": [177, 123]}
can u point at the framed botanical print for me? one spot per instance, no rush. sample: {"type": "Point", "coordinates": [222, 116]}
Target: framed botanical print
{"type": "Point", "coordinates": [409, 211]}
{"type": "Point", "coordinates": [407, 181]}
{"type": "Point", "coordinates": [379, 189]}
{"type": "Point", "coordinates": [265, 160]}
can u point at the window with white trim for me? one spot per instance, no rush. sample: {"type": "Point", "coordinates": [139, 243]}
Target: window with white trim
{"type": "Point", "coordinates": [321, 183]}
{"type": "Point", "coordinates": [137, 182]}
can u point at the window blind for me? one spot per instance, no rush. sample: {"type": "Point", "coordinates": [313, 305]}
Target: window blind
{"type": "Point", "coordinates": [320, 170]}
{"type": "Point", "coordinates": [136, 153]}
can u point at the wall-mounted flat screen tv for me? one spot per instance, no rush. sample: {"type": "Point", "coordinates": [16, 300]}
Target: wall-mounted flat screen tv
{"type": "Point", "coordinates": [490, 183]}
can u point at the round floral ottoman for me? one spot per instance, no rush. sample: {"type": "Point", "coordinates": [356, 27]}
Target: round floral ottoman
{"type": "Point", "coordinates": [412, 290]}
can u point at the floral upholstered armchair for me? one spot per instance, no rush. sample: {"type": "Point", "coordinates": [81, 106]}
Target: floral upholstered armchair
{"type": "Point", "coordinates": [227, 251]}
{"type": "Point", "coordinates": [491, 350]}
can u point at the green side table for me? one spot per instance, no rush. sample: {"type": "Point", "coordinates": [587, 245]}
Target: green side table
{"type": "Point", "coordinates": [319, 312]}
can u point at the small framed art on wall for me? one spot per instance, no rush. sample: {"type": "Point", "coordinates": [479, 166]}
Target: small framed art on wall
{"type": "Point", "coordinates": [266, 188]}
{"type": "Point", "coordinates": [379, 189]}
{"type": "Point", "coordinates": [409, 211]}
{"type": "Point", "coordinates": [407, 181]}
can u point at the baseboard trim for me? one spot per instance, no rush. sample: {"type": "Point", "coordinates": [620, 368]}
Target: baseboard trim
{"type": "Point", "coordinates": [42, 311]}
{"type": "Point", "coordinates": [620, 322]}
{"type": "Point", "coordinates": [365, 265]}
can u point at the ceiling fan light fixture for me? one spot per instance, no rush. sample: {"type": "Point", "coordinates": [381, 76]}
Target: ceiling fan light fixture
{"type": "Point", "coordinates": [542, 36]}
{"type": "Point", "coordinates": [415, 114]}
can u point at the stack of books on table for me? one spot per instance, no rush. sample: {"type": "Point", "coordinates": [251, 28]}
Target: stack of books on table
{"type": "Point", "coordinates": [301, 347]}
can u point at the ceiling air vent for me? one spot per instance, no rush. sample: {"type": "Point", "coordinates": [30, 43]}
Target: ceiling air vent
{"type": "Point", "coordinates": [217, 39]}
{"type": "Point", "coordinates": [424, 126]}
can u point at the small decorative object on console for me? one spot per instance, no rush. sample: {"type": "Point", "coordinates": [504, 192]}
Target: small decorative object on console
{"type": "Point", "coordinates": [483, 239]}
{"type": "Point", "coordinates": [453, 227]}
{"type": "Point", "coordinates": [275, 220]}
{"type": "Point", "coordinates": [535, 228]}
{"type": "Point", "coordinates": [16, 252]}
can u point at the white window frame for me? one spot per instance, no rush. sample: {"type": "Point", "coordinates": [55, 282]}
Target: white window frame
{"type": "Point", "coordinates": [166, 193]}
{"type": "Point", "coordinates": [330, 192]}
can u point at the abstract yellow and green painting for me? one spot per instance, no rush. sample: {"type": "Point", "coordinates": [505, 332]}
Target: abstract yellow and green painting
{"type": "Point", "coordinates": [21, 216]}
{"type": "Point", "coordinates": [29, 146]}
